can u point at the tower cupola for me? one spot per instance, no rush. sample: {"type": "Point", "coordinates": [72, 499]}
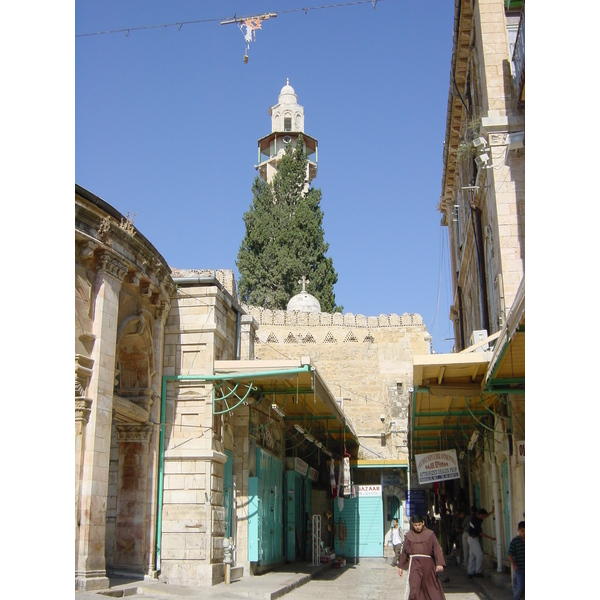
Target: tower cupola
{"type": "Point", "coordinates": [287, 123]}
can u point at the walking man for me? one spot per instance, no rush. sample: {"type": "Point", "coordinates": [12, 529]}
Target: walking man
{"type": "Point", "coordinates": [396, 539]}
{"type": "Point", "coordinates": [516, 554]}
{"type": "Point", "coordinates": [422, 556]}
{"type": "Point", "coordinates": [475, 551]}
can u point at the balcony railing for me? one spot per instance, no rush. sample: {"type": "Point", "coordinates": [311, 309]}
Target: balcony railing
{"type": "Point", "coordinates": [519, 59]}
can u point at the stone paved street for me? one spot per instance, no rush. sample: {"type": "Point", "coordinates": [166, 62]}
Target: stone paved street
{"type": "Point", "coordinates": [377, 579]}
{"type": "Point", "coordinates": [369, 579]}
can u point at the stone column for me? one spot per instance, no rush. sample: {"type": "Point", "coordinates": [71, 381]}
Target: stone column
{"type": "Point", "coordinates": [247, 336]}
{"type": "Point", "coordinates": [90, 567]}
{"type": "Point", "coordinates": [131, 526]}
{"type": "Point", "coordinates": [83, 406]}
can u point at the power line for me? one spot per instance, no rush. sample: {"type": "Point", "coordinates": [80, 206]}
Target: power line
{"type": "Point", "coordinates": [233, 19]}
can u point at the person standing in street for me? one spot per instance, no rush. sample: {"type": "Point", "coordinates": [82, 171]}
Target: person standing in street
{"type": "Point", "coordinates": [423, 558]}
{"type": "Point", "coordinates": [396, 538]}
{"type": "Point", "coordinates": [516, 555]}
{"type": "Point", "coordinates": [475, 534]}
{"type": "Point", "coordinates": [465, 535]}
{"type": "Point", "coordinates": [458, 531]}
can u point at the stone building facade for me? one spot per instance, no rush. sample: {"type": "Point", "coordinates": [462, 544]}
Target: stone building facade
{"type": "Point", "coordinates": [480, 388]}
{"type": "Point", "coordinates": [367, 362]}
{"type": "Point", "coordinates": [123, 290]}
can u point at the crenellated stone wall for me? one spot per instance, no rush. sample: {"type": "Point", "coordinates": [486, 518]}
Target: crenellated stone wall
{"type": "Point", "coordinates": [366, 362]}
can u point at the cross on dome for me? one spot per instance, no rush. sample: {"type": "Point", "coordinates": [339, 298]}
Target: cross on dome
{"type": "Point", "coordinates": [304, 282]}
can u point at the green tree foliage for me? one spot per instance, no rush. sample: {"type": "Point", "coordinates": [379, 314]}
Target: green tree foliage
{"type": "Point", "coordinates": [284, 240]}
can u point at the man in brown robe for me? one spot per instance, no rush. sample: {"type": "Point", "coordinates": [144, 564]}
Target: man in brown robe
{"type": "Point", "coordinates": [422, 556]}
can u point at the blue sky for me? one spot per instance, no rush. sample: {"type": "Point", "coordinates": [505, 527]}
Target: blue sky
{"type": "Point", "coordinates": [167, 121]}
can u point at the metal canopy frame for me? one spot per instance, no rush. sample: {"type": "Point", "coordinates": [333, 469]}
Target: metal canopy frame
{"type": "Point", "coordinates": [458, 394]}
{"type": "Point", "coordinates": [300, 395]}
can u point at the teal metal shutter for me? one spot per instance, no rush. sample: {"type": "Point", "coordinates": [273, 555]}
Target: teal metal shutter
{"type": "Point", "coordinates": [359, 526]}
{"type": "Point", "coordinates": [265, 517]}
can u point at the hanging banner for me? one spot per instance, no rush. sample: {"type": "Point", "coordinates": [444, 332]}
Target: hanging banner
{"type": "Point", "coordinates": [416, 503]}
{"type": "Point", "coordinates": [437, 466]}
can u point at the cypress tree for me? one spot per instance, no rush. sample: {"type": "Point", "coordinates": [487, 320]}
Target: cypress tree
{"type": "Point", "coordinates": [284, 239]}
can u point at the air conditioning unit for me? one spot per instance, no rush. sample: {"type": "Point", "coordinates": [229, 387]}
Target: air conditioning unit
{"type": "Point", "coordinates": [478, 336]}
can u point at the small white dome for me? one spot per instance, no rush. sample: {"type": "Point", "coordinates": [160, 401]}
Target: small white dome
{"type": "Point", "coordinates": [304, 302]}
{"type": "Point", "coordinates": [288, 95]}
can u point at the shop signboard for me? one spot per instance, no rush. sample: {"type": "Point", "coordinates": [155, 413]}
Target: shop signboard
{"type": "Point", "coordinates": [416, 502]}
{"type": "Point", "coordinates": [437, 466]}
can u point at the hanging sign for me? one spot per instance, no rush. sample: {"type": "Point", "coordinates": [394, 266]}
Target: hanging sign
{"type": "Point", "coordinates": [437, 466]}
{"type": "Point", "coordinates": [368, 490]}
{"type": "Point", "coordinates": [416, 502]}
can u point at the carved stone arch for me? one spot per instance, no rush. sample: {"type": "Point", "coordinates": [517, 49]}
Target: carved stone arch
{"type": "Point", "coordinates": [135, 355]}
{"type": "Point", "coordinates": [83, 311]}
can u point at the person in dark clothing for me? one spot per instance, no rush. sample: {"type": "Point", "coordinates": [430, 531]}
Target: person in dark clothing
{"type": "Point", "coordinates": [516, 555]}
{"type": "Point", "coordinates": [458, 531]}
{"type": "Point", "coordinates": [475, 551]}
{"type": "Point", "coordinates": [422, 556]}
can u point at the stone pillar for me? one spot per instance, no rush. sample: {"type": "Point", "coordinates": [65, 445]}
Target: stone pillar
{"type": "Point", "coordinates": [131, 526]}
{"type": "Point", "coordinates": [83, 406]}
{"type": "Point", "coordinates": [90, 566]}
{"type": "Point", "coordinates": [247, 336]}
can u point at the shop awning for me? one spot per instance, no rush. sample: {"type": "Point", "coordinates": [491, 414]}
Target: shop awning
{"type": "Point", "coordinates": [448, 401]}
{"type": "Point", "coordinates": [456, 394]}
{"type": "Point", "coordinates": [506, 372]}
{"type": "Point", "coordinates": [294, 391]}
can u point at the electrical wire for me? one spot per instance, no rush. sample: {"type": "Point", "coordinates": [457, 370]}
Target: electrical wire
{"type": "Point", "coordinates": [180, 24]}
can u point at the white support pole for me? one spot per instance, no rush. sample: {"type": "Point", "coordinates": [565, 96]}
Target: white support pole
{"type": "Point", "coordinates": [316, 540]}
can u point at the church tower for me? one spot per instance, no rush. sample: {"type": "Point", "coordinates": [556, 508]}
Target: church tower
{"type": "Point", "coordinates": [287, 123]}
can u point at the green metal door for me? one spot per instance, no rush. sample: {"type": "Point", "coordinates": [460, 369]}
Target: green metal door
{"type": "Point", "coordinates": [293, 515]}
{"type": "Point", "coordinates": [265, 518]}
{"type": "Point", "coordinates": [394, 509]}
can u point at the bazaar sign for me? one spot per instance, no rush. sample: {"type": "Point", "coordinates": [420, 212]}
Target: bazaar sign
{"type": "Point", "coordinates": [368, 490]}
{"type": "Point", "coordinates": [437, 466]}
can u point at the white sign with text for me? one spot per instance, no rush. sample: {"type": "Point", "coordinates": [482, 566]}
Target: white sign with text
{"type": "Point", "coordinates": [437, 466]}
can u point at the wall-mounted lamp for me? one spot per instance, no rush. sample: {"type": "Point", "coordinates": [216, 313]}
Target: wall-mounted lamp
{"type": "Point", "coordinates": [482, 160]}
{"type": "Point", "coordinates": [299, 429]}
{"type": "Point", "coordinates": [277, 410]}
{"type": "Point", "coordinates": [479, 143]}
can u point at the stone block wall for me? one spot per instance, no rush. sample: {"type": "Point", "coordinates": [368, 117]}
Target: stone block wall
{"type": "Point", "coordinates": [201, 327]}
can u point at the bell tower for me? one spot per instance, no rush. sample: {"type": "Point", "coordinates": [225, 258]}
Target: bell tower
{"type": "Point", "coordinates": [287, 123]}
